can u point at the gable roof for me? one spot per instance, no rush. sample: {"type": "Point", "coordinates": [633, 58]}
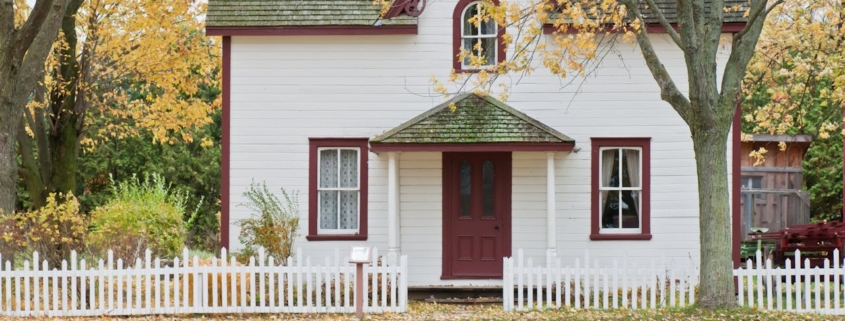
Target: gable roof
{"type": "Point", "coordinates": [477, 119]}
{"type": "Point", "coordinates": [297, 13]}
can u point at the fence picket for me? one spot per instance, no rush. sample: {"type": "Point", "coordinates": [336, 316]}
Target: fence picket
{"type": "Point", "coordinates": [577, 279]}
{"type": "Point", "coordinates": [837, 270]}
{"type": "Point", "coordinates": [558, 285]}
{"type": "Point", "coordinates": [596, 294]}
{"type": "Point", "coordinates": [566, 288]}
{"type": "Point", "coordinates": [807, 283]}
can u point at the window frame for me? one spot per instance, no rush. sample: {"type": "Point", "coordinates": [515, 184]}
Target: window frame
{"type": "Point", "coordinates": [457, 37]}
{"type": "Point", "coordinates": [315, 233]}
{"type": "Point", "coordinates": [600, 144]}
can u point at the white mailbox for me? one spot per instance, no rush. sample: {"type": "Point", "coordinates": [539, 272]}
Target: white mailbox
{"type": "Point", "coordinates": [360, 254]}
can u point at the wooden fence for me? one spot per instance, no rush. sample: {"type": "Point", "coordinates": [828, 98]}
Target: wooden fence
{"type": "Point", "coordinates": [191, 285]}
{"type": "Point", "coordinates": [586, 285]}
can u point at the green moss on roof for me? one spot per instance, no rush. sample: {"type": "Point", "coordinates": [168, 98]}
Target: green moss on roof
{"type": "Point", "coordinates": [476, 119]}
{"type": "Point", "coordinates": [670, 10]}
{"type": "Point", "coordinates": [289, 13]}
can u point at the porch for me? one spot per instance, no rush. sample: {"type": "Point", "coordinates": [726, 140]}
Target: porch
{"type": "Point", "coordinates": [463, 189]}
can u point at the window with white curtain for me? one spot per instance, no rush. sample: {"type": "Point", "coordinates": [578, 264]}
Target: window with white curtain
{"type": "Point", "coordinates": [621, 188]}
{"type": "Point", "coordinates": [338, 190]}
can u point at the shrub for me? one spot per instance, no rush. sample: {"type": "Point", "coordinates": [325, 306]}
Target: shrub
{"type": "Point", "coordinates": [53, 230]}
{"type": "Point", "coordinates": [142, 214]}
{"type": "Point", "coordinates": [274, 222]}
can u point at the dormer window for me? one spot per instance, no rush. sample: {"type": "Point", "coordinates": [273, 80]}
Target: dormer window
{"type": "Point", "coordinates": [476, 32]}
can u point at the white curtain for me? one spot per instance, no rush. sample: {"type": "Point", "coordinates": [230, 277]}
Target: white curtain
{"type": "Point", "coordinates": [633, 163]}
{"type": "Point", "coordinates": [349, 179]}
{"type": "Point", "coordinates": [339, 169]}
{"type": "Point", "coordinates": [607, 158]}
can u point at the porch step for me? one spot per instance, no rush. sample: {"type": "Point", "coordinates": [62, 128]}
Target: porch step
{"type": "Point", "coordinates": [457, 295]}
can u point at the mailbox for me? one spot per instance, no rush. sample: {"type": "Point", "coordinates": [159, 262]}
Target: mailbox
{"type": "Point", "coordinates": [360, 254]}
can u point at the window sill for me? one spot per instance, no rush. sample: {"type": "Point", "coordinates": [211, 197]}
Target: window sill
{"type": "Point", "coordinates": [620, 237]}
{"type": "Point", "coordinates": [475, 71]}
{"type": "Point", "coordinates": [339, 237]}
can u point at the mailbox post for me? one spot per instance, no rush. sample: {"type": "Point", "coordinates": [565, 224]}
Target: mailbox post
{"type": "Point", "coordinates": [359, 255]}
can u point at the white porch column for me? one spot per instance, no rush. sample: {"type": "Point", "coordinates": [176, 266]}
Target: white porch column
{"type": "Point", "coordinates": [392, 207]}
{"type": "Point", "coordinates": [551, 225]}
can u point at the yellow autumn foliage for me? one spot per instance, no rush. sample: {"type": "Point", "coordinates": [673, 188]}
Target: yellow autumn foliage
{"type": "Point", "coordinates": [145, 65]}
{"type": "Point", "coordinates": [53, 230]}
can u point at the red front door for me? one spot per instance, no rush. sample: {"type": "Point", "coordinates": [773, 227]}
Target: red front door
{"type": "Point", "coordinates": [476, 214]}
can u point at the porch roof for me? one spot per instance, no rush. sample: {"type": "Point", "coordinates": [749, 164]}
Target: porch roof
{"type": "Point", "coordinates": [471, 122]}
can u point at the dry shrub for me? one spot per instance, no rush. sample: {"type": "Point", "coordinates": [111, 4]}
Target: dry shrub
{"type": "Point", "coordinates": [54, 230]}
{"type": "Point", "coordinates": [274, 222]}
{"type": "Point", "coordinates": [232, 282]}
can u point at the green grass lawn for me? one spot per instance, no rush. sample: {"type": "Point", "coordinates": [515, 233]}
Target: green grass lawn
{"type": "Point", "coordinates": [430, 311]}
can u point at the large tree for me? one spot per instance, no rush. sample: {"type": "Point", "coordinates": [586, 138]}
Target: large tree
{"type": "Point", "coordinates": [140, 67]}
{"type": "Point", "coordinates": [25, 43]}
{"type": "Point", "coordinates": [708, 104]}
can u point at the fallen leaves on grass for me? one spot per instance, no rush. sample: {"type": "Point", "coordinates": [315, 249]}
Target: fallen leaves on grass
{"type": "Point", "coordinates": [447, 312]}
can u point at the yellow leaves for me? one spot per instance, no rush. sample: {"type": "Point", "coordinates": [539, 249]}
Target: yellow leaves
{"type": "Point", "coordinates": [156, 61]}
{"type": "Point", "coordinates": [794, 70]}
{"type": "Point", "coordinates": [453, 107]}
{"type": "Point", "coordinates": [206, 142]}
{"type": "Point", "coordinates": [758, 156]}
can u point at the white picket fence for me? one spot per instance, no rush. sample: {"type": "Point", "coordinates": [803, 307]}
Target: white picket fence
{"type": "Point", "coordinates": [223, 286]}
{"type": "Point", "coordinates": [794, 287]}
{"type": "Point", "coordinates": [588, 286]}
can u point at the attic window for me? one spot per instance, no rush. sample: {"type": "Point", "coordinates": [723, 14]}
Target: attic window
{"type": "Point", "coordinates": [481, 37]}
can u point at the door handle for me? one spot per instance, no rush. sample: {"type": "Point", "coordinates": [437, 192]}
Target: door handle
{"type": "Point", "coordinates": [496, 227]}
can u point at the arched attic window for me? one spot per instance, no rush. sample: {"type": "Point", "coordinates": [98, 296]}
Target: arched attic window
{"type": "Point", "coordinates": [481, 38]}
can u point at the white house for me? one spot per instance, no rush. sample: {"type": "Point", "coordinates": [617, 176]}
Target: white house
{"type": "Point", "coordinates": [331, 99]}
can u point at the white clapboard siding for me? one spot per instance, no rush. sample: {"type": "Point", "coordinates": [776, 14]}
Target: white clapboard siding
{"type": "Point", "coordinates": [589, 285]}
{"type": "Point", "coordinates": [219, 285]}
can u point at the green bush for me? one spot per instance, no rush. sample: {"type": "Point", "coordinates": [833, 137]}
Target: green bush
{"type": "Point", "coordinates": [274, 222]}
{"type": "Point", "coordinates": [142, 214]}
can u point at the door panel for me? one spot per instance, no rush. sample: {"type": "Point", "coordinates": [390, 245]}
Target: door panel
{"type": "Point", "coordinates": [476, 214]}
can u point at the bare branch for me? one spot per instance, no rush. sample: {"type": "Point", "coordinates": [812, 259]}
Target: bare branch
{"type": "Point", "coordinates": [665, 23]}
{"type": "Point", "coordinates": [37, 52]}
{"type": "Point", "coordinates": [717, 16]}
{"type": "Point", "coordinates": [33, 25]}
{"type": "Point", "coordinates": [756, 8]}
{"type": "Point", "coordinates": [742, 49]}
{"type": "Point", "coordinates": [668, 90]}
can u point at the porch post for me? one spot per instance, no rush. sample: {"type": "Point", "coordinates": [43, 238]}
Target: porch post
{"type": "Point", "coordinates": [551, 225]}
{"type": "Point", "coordinates": [392, 207]}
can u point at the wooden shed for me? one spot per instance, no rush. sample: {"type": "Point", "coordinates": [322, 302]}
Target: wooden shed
{"type": "Point", "coordinates": [773, 195]}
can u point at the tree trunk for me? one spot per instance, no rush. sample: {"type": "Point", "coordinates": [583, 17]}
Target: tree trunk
{"type": "Point", "coordinates": [8, 161]}
{"type": "Point", "coordinates": [716, 286]}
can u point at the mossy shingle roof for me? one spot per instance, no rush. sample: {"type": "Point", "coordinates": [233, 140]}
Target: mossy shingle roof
{"type": "Point", "coordinates": [476, 119]}
{"type": "Point", "coordinates": [670, 10]}
{"type": "Point", "coordinates": [297, 13]}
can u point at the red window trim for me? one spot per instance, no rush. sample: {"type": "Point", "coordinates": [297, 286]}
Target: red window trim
{"type": "Point", "coordinates": [457, 21]}
{"type": "Point", "coordinates": [315, 143]}
{"type": "Point", "coordinates": [599, 142]}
